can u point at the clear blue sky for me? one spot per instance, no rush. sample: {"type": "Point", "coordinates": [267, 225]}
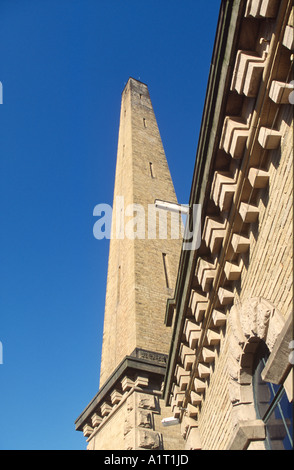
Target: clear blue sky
{"type": "Point", "coordinates": [63, 66]}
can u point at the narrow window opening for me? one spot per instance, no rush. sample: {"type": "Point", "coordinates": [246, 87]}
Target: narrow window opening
{"type": "Point", "coordinates": [140, 96]}
{"type": "Point", "coordinates": [151, 169]}
{"type": "Point", "coordinates": [271, 405]}
{"type": "Point", "coordinates": [144, 122]}
{"type": "Point", "coordinates": [165, 269]}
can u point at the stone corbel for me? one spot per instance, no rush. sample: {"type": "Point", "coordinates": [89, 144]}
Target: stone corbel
{"type": "Point", "coordinates": [96, 420]}
{"type": "Point", "coordinates": [198, 303]}
{"type": "Point", "coordinates": [192, 332]}
{"type": "Point", "coordinates": [218, 318]}
{"type": "Point", "coordinates": [248, 212]}
{"type": "Point", "coordinates": [280, 92]}
{"type": "Point", "coordinates": [196, 398]}
{"type": "Point", "coordinates": [182, 377]}
{"type": "Point", "coordinates": [234, 136]}
{"type": "Point", "coordinates": [192, 411]}
{"type": "Point", "coordinates": [246, 432]}
{"type": "Point", "coordinates": [87, 430]}
{"type": "Point", "coordinates": [184, 382]}
{"type": "Point", "coordinates": [240, 243]}
{"type": "Point", "coordinates": [269, 8]}
{"type": "Point", "coordinates": [248, 72]}
{"type": "Point", "coordinates": [105, 409]}
{"type": "Point", "coordinates": [199, 385]}
{"type": "Point", "coordinates": [115, 397]}
{"type": "Point", "coordinates": [223, 189]}
{"type": "Point", "coordinates": [179, 397]}
{"type": "Point", "coordinates": [187, 356]}
{"type": "Point", "coordinates": [225, 296]}
{"type": "Point", "coordinates": [262, 8]}
{"type": "Point", "coordinates": [141, 380]}
{"type": "Point", "coordinates": [208, 354]}
{"type": "Point", "coordinates": [176, 410]}
{"type": "Point", "coordinates": [126, 384]}
{"type": "Point", "coordinates": [213, 337]}
{"type": "Point", "coordinates": [233, 270]}
{"type": "Point", "coordinates": [269, 138]}
{"type": "Point", "coordinates": [205, 272]}
{"type": "Point", "coordinates": [214, 231]}
{"type": "Point", "coordinates": [203, 371]}
{"type": "Point", "coordinates": [288, 39]}
{"type": "Point", "coordinates": [258, 178]}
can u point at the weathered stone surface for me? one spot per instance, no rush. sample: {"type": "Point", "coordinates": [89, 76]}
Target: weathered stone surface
{"type": "Point", "coordinates": [144, 419]}
{"type": "Point", "coordinates": [148, 439]}
{"type": "Point", "coordinates": [146, 401]}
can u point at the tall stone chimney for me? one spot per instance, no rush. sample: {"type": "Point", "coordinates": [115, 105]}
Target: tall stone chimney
{"type": "Point", "coordinates": [142, 268]}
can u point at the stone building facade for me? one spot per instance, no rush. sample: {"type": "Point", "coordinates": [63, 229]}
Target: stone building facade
{"type": "Point", "coordinates": [210, 346]}
{"type": "Point", "coordinates": [233, 302]}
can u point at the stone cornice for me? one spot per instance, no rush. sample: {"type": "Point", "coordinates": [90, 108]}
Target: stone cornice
{"type": "Point", "coordinates": [214, 108]}
{"type": "Point", "coordinates": [231, 166]}
{"type": "Point", "coordinates": [139, 362]}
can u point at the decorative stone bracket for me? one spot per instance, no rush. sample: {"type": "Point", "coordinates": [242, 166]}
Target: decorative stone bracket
{"type": "Point", "coordinates": [251, 321]}
{"type": "Point", "coordinates": [248, 71]}
{"type": "Point", "coordinates": [262, 8]}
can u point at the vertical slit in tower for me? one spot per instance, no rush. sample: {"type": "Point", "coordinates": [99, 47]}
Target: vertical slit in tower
{"type": "Point", "coordinates": [165, 269]}
{"type": "Point", "coordinates": [151, 169]}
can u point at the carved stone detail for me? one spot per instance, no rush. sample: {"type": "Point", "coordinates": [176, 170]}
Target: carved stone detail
{"type": "Point", "coordinates": [148, 439]}
{"type": "Point", "coordinates": [251, 321]}
{"type": "Point", "coordinates": [146, 401]}
{"type": "Point", "coordinates": [129, 416]}
{"type": "Point", "coordinates": [145, 419]}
